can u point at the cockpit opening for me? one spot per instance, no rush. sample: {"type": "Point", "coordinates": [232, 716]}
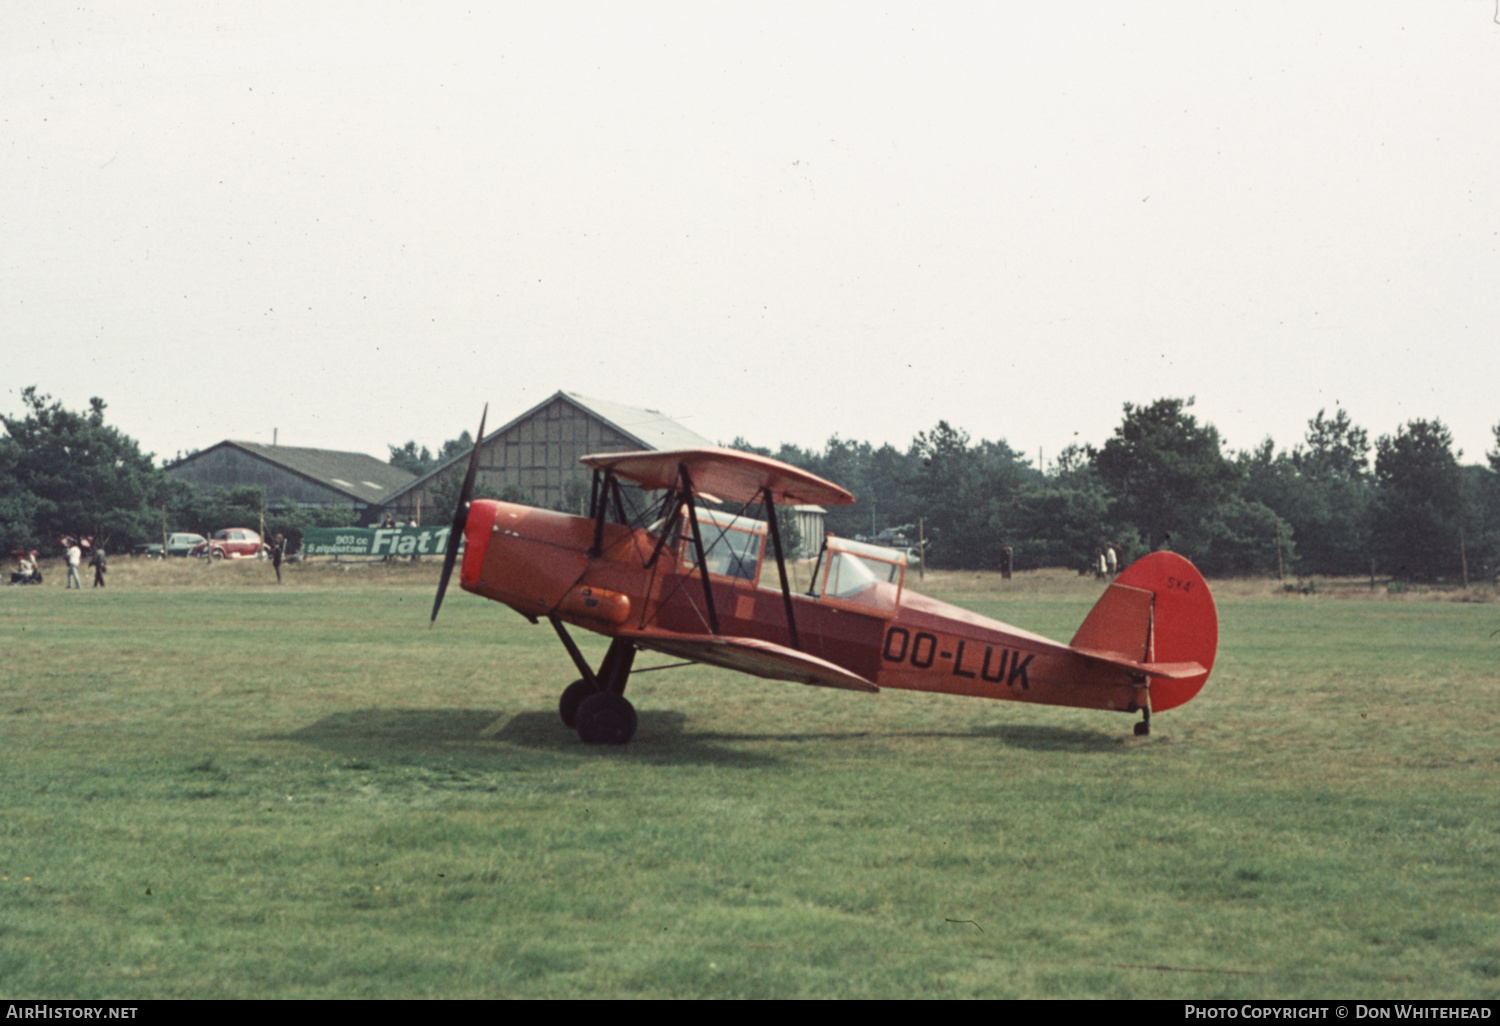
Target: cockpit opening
{"type": "Point", "coordinates": [860, 574]}
{"type": "Point", "coordinates": [732, 546]}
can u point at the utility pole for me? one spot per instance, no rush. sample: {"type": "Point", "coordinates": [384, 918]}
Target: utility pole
{"type": "Point", "coordinates": [1280, 571]}
{"type": "Point", "coordinates": [921, 549]}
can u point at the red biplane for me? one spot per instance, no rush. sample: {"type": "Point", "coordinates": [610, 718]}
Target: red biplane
{"type": "Point", "coordinates": [686, 580]}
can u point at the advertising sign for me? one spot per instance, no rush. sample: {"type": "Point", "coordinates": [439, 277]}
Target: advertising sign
{"type": "Point", "coordinates": [374, 541]}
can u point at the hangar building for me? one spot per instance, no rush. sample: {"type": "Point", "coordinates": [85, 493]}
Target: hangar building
{"type": "Point", "coordinates": [296, 478]}
{"type": "Point", "coordinates": [537, 454]}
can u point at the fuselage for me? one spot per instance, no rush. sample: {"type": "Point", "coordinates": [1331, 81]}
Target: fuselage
{"type": "Point", "coordinates": [610, 578]}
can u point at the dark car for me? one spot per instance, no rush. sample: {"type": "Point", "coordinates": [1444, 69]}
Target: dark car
{"type": "Point", "coordinates": [230, 543]}
{"type": "Point", "coordinates": [177, 545]}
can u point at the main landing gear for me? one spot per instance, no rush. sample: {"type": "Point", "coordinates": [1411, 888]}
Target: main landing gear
{"type": "Point", "coordinates": [595, 704]}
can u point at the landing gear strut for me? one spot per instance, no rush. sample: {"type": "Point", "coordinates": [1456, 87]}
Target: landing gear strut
{"type": "Point", "coordinates": [595, 704]}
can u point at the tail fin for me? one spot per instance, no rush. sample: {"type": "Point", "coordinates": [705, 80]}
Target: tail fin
{"type": "Point", "coordinates": [1158, 610]}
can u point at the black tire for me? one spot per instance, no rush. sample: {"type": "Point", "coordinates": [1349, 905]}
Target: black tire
{"type": "Point", "coordinates": [217, 553]}
{"type": "Point", "coordinates": [605, 718]}
{"type": "Point", "coordinates": [572, 696]}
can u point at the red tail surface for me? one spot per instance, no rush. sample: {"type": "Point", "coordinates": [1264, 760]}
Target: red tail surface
{"type": "Point", "coordinates": [1158, 610]}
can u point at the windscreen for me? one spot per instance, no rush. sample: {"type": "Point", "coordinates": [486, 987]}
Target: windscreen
{"type": "Point", "coordinates": [862, 574]}
{"type": "Point", "coordinates": [731, 545]}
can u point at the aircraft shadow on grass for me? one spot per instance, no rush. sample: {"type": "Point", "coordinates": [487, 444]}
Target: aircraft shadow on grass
{"type": "Point", "coordinates": [413, 733]}
{"type": "Point", "coordinates": [1040, 739]}
{"type": "Point", "coordinates": [661, 737]}
{"type": "Point", "coordinates": [1047, 739]}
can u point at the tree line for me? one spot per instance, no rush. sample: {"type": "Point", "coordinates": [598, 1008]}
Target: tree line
{"type": "Point", "coordinates": [1164, 480]}
{"type": "Point", "coordinates": [1333, 505]}
{"type": "Point", "coordinates": [64, 472]}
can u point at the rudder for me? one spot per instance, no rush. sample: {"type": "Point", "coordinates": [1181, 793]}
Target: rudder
{"type": "Point", "coordinates": [1159, 610]}
{"type": "Point", "coordinates": [1185, 622]}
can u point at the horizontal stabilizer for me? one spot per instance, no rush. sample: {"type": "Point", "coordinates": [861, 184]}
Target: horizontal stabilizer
{"type": "Point", "coordinates": [1171, 671]}
{"type": "Point", "coordinates": [751, 655]}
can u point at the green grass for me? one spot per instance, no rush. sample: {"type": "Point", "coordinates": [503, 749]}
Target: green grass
{"type": "Point", "coordinates": [214, 787]}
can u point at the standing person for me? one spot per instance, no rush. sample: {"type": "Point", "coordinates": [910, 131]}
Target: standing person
{"type": "Point", "coordinates": [413, 523]}
{"type": "Point", "coordinates": [387, 521]}
{"type": "Point", "coordinates": [278, 549]}
{"type": "Point", "coordinates": [1112, 559]}
{"type": "Point", "coordinates": [75, 556]}
{"type": "Point", "coordinates": [100, 565]}
{"type": "Point", "coordinates": [1007, 560]}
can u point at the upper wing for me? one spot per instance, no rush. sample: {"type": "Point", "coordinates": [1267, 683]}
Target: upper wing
{"type": "Point", "coordinates": [753, 656]}
{"type": "Point", "coordinates": [726, 473]}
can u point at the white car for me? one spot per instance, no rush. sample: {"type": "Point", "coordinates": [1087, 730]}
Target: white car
{"type": "Point", "coordinates": [230, 543]}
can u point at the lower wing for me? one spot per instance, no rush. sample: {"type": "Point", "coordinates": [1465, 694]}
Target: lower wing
{"type": "Point", "coordinates": [752, 656]}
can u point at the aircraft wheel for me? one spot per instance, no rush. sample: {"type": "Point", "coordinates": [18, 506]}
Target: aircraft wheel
{"type": "Point", "coordinates": [605, 718]}
{"type": "Point", "coordinates": [572, 696]}
{"type": "Point", "coordinates": [1142, 729]}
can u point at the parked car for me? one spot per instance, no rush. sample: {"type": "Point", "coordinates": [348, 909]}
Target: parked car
{"type": "Point", "coordinates": [177, 545]}
{"type": "Point", "coordinates": [230, 543]}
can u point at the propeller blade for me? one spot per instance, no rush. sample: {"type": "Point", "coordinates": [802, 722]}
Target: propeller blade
{"type": "Point", "coordinates": [460, 518]}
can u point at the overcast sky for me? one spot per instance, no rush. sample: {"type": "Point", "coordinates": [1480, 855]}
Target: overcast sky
{"type": "Point", "coordinates": [356, 223]}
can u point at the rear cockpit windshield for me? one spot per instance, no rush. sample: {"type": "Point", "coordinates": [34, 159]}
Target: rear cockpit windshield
{"type": "Point", "coordinates": [860, 574]}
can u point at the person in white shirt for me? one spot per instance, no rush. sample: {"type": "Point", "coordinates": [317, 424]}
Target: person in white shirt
{"type": "Point", "coordinates": [75, 556]}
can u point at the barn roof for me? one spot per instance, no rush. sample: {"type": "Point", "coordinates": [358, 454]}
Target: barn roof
{"type": "Point", "coordinates": [358, 475]}
{"type": "Point", "coordinates": [650, 429]}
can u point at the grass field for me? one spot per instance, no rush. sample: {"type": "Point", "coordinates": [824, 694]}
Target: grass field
{"type": "Point", "coordinates": [215, 787]}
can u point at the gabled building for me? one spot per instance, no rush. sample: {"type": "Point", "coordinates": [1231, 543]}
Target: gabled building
{"type": "Point", "coordinates": [294, 477]}
{"type": "Point", "coordinates": [535, 456]}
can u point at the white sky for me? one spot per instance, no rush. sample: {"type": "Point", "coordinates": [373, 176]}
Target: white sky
{"type": "Point", "coordinates": [358, 222]}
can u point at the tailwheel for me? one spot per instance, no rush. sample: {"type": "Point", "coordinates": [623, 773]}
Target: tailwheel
{"type": "Point", "coordinates": [1144, 727]}
{"type": "Point", "coordinates": [573, 696]}
{"type": "Point", "coordinates": [605, 718]}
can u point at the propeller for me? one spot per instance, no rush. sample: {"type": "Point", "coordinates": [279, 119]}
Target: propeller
{"type": "Point", "coordinates": [460, 518]}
